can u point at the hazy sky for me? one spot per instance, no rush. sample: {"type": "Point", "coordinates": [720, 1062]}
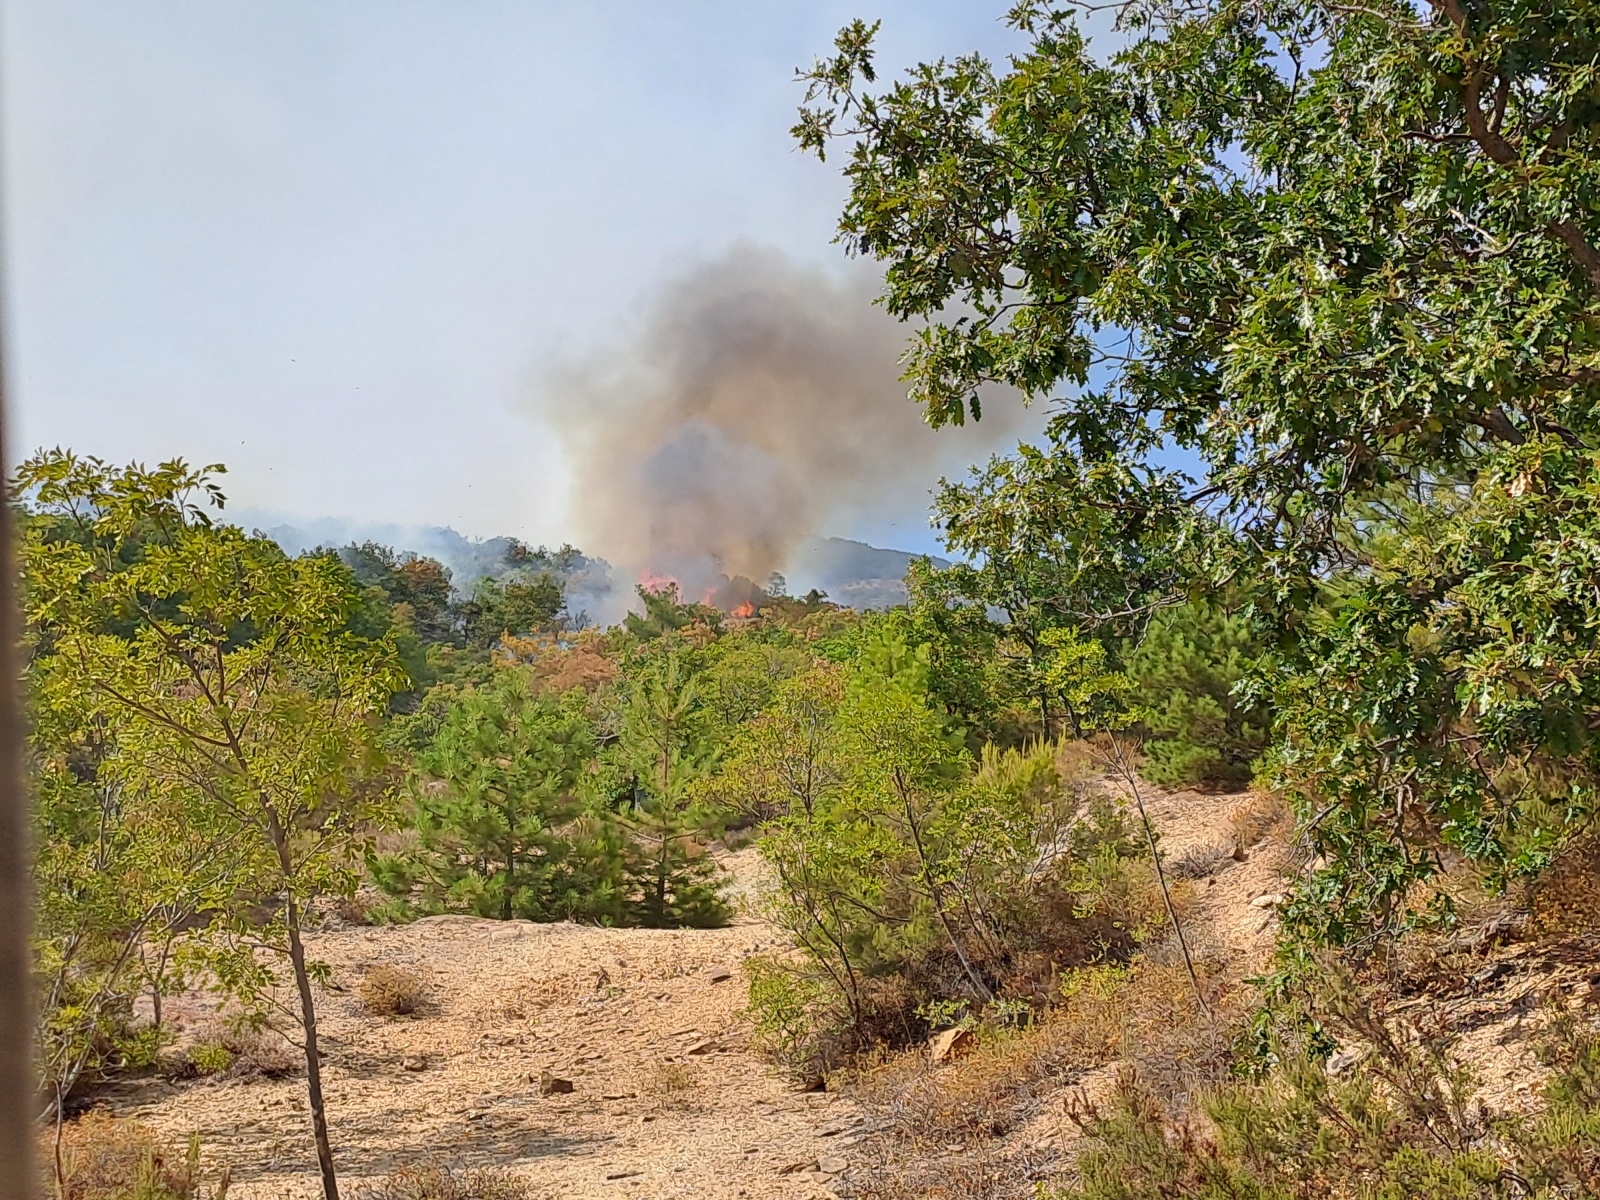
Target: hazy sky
{"type": "Point", "coordinates": [339, 244]}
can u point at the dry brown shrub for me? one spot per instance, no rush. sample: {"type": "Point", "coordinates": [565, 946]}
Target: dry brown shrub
{"type": "Point", "coordinates": [946, 1132]}
{"type": "Point", "coordinates": [673, 1085]}
{"type": "Point", "coordinates": [388, 991]}
{"type": "Point", "coordinates": [355, 910]}
{"type": "Point", "coordinates": [436, 1181]}
{"type": "Point", "coordinates": [986, 1173]}
{"type": "Point", "coordinates": [987, 1093]}
{"type": "Point", "coordinates": [1199, 861]}
{"type": "Point", "coordinates": [1081, 759]}
{"type": "Point", "coordinates": [1178, 1047]}
{"type": "Point", "coordinates": [110, 1158]}
{"type": "Point", "coordinates": [1260, 815]}
{"type": "Point", "coordinates": [1565, 901]}
{"type": "Point", "coordinates": [1149, 1016]}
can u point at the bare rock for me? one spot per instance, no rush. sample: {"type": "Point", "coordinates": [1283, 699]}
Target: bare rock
{"type": "Point", "coordinates": [553, 1085]}
{"type": "Point", "coordinates": [703, 1046]}
{"type": "Point", "coordinates": [1269, 900]}
{"type": "Point", "coordinates": [720, 975]}
{"type": "Point", "coordinates": [831, 1165]}
{"type": "Point", "coordinates": [414, 1062]}
{"type": "Point", "coordinates": [950, 1045]}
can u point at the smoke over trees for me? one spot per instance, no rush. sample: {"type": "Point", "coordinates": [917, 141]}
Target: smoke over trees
{"type": "Point", "coordinates": [759, 402]}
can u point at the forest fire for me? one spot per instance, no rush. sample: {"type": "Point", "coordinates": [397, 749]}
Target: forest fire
{"type": "Point", "coordinates": [746, 609]}
{"type": "Point", "coordinates": [651, 582]}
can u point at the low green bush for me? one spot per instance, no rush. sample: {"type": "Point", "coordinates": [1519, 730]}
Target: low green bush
{"type": "Point", "coordinates": [1403, 1124]}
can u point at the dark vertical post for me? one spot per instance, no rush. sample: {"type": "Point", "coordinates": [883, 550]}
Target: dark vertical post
{"type": "Point", "coordinates": [17, 1178]}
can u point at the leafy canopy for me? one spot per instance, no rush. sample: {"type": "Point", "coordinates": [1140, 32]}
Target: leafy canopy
{"type": "Point", "coordinates": [1315, 289]}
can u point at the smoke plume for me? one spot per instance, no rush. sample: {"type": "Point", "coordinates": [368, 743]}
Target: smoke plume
{"type": "Point", "coordinates": [758, 405]}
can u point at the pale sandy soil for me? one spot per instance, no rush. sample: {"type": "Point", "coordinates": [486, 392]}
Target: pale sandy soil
{"type": "Point", "coordinates": [604, 1008]}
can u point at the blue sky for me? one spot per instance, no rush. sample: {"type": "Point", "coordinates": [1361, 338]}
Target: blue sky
{"type": "Point", "coordinates": [338, 246]}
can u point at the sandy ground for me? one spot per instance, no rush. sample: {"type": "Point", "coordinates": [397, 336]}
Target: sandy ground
{"type": "Point", "coordinates": [604, 1008]}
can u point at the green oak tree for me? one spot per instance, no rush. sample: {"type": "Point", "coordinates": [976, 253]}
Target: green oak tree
{"type": "Point", "coordinates": [242, 707]}
{"type": "Point", "coordinates": [1290, 273]}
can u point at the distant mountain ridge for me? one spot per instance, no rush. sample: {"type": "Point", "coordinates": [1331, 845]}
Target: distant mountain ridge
{"type": "Point", "coordinates": [852, 573]}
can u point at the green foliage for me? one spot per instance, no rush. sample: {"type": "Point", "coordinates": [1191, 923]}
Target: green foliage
{"type": "Point", "coordinates": [1403, 1126]}
{"type": "Point", "coordinates": [501, 823]}
{"type": "Point", "coordinates": [421, 585]}
{"type": "Point", "coordinates": [210, 1058]}
{"type": "Point", "coordinates": [1315, 290]}
{"type": "Point", "coordinates": [787, 1008]}
{"type": "Point", "coordinates": [789, 757]}
{"type": "Point", "coordinates": [218, 686]}
{"type": "Point", "coordinates": [909, 875]}
{"type": "Point", "coordinates": [664, 747]}
{"type": "Point", "coordinates": [1446, 700]}
{"type": "Point", "coordinates": [1186, 672]}
{"type": "Point", "coordinates": [739, 679]}
{"type": "Point", "coordinates": [666, 612]}
{"type": "Point", "coordinates": [514, 606]}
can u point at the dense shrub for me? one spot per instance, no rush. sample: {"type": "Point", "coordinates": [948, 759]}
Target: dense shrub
{"type": "Point", "coordinates": [501, 826]}
{"type": "Point", "coordinates": [1186, 670]}
{"type": "Point", "coordinates": [916, 883]}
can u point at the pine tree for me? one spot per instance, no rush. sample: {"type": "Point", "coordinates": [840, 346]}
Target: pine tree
{"type": "Point", "coordinates": [664, 747]}
{"type": "Point", "coordinates": [501, 829]}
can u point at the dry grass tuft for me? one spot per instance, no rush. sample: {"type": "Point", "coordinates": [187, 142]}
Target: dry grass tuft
{"type": "Point", "coordinates": [1260, 815]}
{"type": "Point", "coordinates": [985, 1174]}
{"type": "Point", "coordinates": [987, 1093]}
{"type": "Point", "coordinates": [1200, 862]}
{"type": "Point", "coordinates": [436, 1181]}
{"type": "Point", "coordinates": [1565, 902]}
{"type": "Point", "coordinates": [357, 909]}
{"type": "Point", "coordinates": [110, 1158]}
{"type": "Point", "coordinates": [674, 1086]}
{"type": "Point", "coordinates": [388, 991]}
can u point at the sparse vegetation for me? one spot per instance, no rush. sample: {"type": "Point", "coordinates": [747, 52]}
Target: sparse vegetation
{"type": "Point", "coordinates": [673, 1085]}
{"type": "Point", "coordinates": [1405, 1125]}
{"type": "Point", "coordinates": [437, 1181]}
{"type": "Point", "coordinates": [1313, 292]}
{"type": "Point", "coordinates": [388, 991]}
{"type": "Point", "coordinates": [101, 1157]}
{"type": "Point", "coordinates": [240, 1050]}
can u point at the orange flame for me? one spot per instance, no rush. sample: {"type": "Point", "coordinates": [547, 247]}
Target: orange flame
{"type": "Point", "coordinates": [651, 582]}
{"type": "Point", "coordinates": [745, 610]}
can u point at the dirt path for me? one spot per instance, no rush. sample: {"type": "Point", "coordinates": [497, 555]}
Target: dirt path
{"type": "Point", "coordinates": [669, 1100]}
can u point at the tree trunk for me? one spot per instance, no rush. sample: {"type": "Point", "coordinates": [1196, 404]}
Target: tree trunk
{"type": "Point", "coordinates": [308, 1018]}
{"type": "Point", "coordinates": [156, 984]}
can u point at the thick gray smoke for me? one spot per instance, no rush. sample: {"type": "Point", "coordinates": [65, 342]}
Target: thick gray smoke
{"type": "Point", "coordinates": [759, 405]}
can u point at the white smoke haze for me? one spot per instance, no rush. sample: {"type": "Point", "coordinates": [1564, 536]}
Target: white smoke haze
{"type": "Point", "coordinates": [758, 406]}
